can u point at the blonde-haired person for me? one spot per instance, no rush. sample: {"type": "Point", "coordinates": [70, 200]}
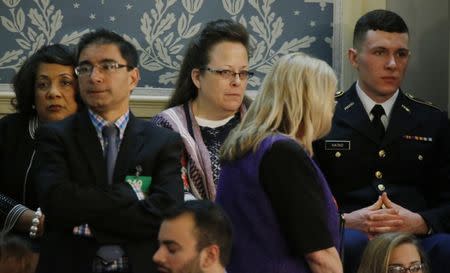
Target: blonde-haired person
{"type": "Point", "coordinates": [393, 253]}
{"type": "Point", "coordinates": [283, 214]}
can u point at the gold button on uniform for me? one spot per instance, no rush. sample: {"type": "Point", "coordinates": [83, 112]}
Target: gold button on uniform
{"type": "Point", "coordinates": [378, 174]}
{"type": "Point", "coordinates": [338, 154]}
{"type": "Point", "coordinates": [420, 157]}
{"type": "Point", "coordinates": [381, 187]}
{"type": "Point", "coordinates": [381, 153]}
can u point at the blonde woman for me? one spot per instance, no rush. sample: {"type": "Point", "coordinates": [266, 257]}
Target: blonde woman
{"type": "Point", "coordinates": [393, 253]}
{"type": "Point", "coordinates": [283, 214]}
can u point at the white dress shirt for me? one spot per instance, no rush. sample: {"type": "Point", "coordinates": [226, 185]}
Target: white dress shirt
{"type": "Point", "coordinates": [368, 104]}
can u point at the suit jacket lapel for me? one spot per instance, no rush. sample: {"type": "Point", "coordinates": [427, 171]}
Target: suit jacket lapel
{"type": "Point", "coordinates": [89, 144]}
{"type": "Point", "coordinates": [351, 111]}
{"type": "Point", "coordinates": [132, 142]}
{"type": "Point", "coordinates": [402, 119]}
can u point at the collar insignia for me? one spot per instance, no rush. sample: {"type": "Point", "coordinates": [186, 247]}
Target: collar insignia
{"type": "Point", "coordinates": [349, 105]}
{"type": "Point", "coordinates": [406, 108]}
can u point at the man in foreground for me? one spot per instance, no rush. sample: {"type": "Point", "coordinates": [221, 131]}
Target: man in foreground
{"type": "Point", "coordinates": [195, 238]}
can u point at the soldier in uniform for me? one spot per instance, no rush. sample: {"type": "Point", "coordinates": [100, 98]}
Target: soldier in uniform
{"type": "Point", "coordinates": [387, 157]}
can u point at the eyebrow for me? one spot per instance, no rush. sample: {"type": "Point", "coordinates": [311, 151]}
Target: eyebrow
{"type": "Point", "coordinates": [101, 61]}
{"type": "Point", "coordinates": [230, 66]}
{"type": "Point", "coordinates": [378, 48]}
{"type": "Point", "coordinates": [411, 263]}
{"type": "Point", "coordinates": [169, 242]}
{"type": "Point", "coordinates": [385, 48]}
{"type": "Point", "coordinates": [59, 75]}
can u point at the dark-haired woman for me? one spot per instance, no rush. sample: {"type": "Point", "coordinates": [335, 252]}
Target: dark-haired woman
{"type": "Point", "coordinates": [208, 102]}
{"type": "Point", "coordinates": [45, 90]}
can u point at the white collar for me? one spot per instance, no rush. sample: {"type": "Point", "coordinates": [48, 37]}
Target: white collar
{"type": "Point", "coordinates": [368, 103]}
{"type": "Point", "coordinates": [212, 123]}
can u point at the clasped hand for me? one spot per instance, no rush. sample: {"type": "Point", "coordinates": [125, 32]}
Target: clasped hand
{"type": "Point", "coordinates": [385, 216]}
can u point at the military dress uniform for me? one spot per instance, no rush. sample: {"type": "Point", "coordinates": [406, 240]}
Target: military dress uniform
{"type": "Point", "coordinates": [411, 163]}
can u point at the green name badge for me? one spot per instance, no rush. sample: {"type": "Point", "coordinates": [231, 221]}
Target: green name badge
{"type": "Point", "coordinates": [142, 182]}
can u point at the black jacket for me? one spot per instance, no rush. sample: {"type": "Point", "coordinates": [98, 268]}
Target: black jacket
{"type": "Point", "coordinates": [72, 186]}
{"type": "Point", "coordinates": [411, 163]}
{"type": "Point", "coordinates": [16, 157]}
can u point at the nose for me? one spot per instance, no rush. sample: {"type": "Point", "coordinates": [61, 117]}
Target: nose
{"type": "Point", "coordinates": [53, 92]}
{"type": "Point", "coordinates": [96, 75]}
{"type": "Point", "coordinates": [158, 256]}
{"type": "Point", "coordinates": [236, 81]}
{"type": "Point", "coordinates": [391, 62]}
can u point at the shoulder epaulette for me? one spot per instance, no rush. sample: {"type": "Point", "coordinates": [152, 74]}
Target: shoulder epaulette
{"type": "Point", "coordinates": [338, 93]}
{"type": "Point", "coordinates": [411, 97]}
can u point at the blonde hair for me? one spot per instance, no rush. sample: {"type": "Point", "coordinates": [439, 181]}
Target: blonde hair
{"type": "Point", "coordinates": [296, 99]}
{"type": "Point", "coordinates": [376, 256]}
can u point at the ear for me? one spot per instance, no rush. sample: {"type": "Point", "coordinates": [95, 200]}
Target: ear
{"type": "Point", "coordinates": [353, 57]}
{"type": "Point", "coordinates": [134, 78]}
{"type": "Point", "coordinates": [209, 256]}
{"type": "Point", "coordinates": [195, 76]}
{"type": "Point", "coordinates": [300, 131]}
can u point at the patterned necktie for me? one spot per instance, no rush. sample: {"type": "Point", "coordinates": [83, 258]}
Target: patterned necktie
{"type": "Point", "coordinates": [110, 137]}
{"type": "Point", "coordinates": [110, 253]}
{"type": "Point", "coordinates": [377, 112]}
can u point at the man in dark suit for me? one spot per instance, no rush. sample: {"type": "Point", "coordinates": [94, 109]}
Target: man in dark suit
{"type": "Point", "coordinates": [387, 157]}
{"type": "Point", "coordinates": [105, 178]}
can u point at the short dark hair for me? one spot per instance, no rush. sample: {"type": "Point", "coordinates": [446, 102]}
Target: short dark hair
{"type": "Point", "coordinates": [379, 19]}
{"type": "Point", "coordinates": [24, 81]}
{"type": "Point", "coordinates": [212, 225]}
{"type": "Point", "coordinates": [197, 55]}
{"type": "Point", "coordinates": [16, 252]}
{"type": "Point", "coordinates": [105, 37]}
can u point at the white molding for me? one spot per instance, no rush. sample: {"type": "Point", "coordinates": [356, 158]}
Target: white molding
{"type": "Point", "coordinates": [139, 92]}
{"type": "Point", "coordinates": [4, 88]}
{"type": "Point", "coordinates": [337, 45]}
{"type": "Point", "coordinates": [144, 102]}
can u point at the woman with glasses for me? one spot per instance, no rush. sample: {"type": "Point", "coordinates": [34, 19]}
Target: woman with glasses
{"type": "Point", "coordinates": [45, 90]}
{"type": "Point", "coordinates": [393, 253]}
{"type": "Point", "coordinates": [208, 102]}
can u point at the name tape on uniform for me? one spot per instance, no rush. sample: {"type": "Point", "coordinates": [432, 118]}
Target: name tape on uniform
{"type": "Point", "coordinates": [337, 145]}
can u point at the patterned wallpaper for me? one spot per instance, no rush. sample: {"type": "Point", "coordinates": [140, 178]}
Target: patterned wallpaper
{"type": "Point", "coordinates": [161, 29]}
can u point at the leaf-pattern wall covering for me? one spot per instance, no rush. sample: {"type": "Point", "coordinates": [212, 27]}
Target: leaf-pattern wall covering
{"type": "Point", "coordinates": [160, 30]}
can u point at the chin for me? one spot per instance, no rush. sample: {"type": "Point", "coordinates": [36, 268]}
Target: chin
{"type": "Point", "coordinates": [389, 89]}
{"type": "Point", "coordinates": [232, 107]}
{"type": "Point", "coordinates": [95, 105]}
{"type": "Point", "coordinates": [387, 92]}
{"type": "Point", "coordinates": [53, 117]}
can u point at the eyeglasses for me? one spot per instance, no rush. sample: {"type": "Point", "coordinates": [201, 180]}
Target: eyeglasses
{"type": "Point", "coordinates": [230, 75]}
{"type": "Point", "coordinates": [104, 67]}
{"type": "Point", "coordinates": [400, 269]}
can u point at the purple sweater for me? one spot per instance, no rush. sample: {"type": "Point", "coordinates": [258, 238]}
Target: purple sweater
{"type": "Point", "coordinates": [258, 243]}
